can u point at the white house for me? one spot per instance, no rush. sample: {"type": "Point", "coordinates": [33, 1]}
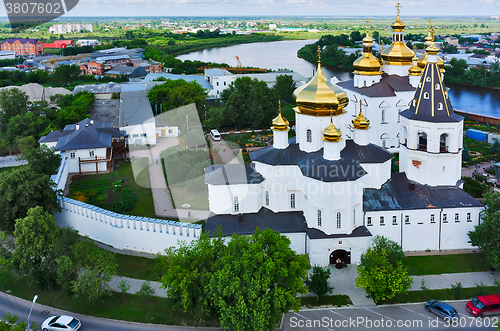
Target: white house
{"type": "Point", "coordinates": [136, 118]}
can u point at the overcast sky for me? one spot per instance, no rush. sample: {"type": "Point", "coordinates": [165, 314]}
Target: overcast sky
{"type": "Point", "coordinates": [263, 8]}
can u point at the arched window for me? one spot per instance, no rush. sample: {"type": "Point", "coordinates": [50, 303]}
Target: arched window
{"type": "Point", "coordinates": [437, 87]}
{"type": "Point", "coordinates": [404, 137]}
{"type": "Point", "coordinates": [428, 79]}
{"type": "Point", "coordinates": [414, 102]}
{"type": "Point", "coordinates": [440, 106]}
{"type": "Point", "coordinates": [426, 95]}
{"type": "Point", "coordinates": [267, 198]}
{"type": "Point", "coordinates": [236, 205]}
{"type": "Point", "coordinates": [292, 201]}
{"type": "Point", "coordinates": [443, 143]}
{"type": "Point", "coordinates": [339, 220]}
{"type": "Point", "coordinates": [309, 135]}
{"type": "Point", "coordinates": [319, 217]}
{"type": "Point", "coordinates": [383, 116]}
{"type": "Point", "coordinates": [422, 141]}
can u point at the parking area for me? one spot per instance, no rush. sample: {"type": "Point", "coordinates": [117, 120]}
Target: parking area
{"type": "Point", "coordinates": [396, 317]}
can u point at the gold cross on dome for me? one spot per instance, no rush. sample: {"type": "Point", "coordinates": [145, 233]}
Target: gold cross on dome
{"type": "Point", "coordinates": [430, 23]}
{"type": "Point", "coordinates": [319, 53]}
{"type": "Point", "coordinates": [367, 25]}
{"type": "Point", "coordinates": [398, 6]}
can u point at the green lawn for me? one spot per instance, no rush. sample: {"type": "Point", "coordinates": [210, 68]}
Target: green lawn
{"type": "Point", "coordinates": [97, 188]}
{"type": "Point", "coordinates": [444, 264]}
{"type": "Point", "coordinates": [330, 300]}
{"type": "Point", "coordinates": [183, 193]}
{"type": "Point", "coordinates": [5, 169]}
{"type": "Point", "coordinates": [445, 294]}
{"type": "Point", "coordinates": [136, 267]}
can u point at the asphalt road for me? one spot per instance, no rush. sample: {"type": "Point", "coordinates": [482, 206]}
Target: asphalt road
{"type": "Point", "coordinates": [393, 317]}
{"type": "Point", "coordinates": [21, 308]}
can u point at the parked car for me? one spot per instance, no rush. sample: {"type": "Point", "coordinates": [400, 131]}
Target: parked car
{"type": "Point", "coordinates": [215, 134]}
{"type": "Point", "coordinates": [441, 309]}
{"type": "Point", "coordinates": [484, 305]}
{"type": "Point", "coordinates": [61, 322]}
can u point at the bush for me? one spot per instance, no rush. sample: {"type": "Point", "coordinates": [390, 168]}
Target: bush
{"type": "Point", "coordinates": [480, 289]}
{"type": "Point", "coordinates": [124, 286]}
{"type": "Point", "coordinates": [146, 289]}
{"type": "Point", "coordinates": [457, 290]}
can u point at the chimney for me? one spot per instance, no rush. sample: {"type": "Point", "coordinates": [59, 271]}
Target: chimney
{"type": "Point", "coordinates": [91, 121]}
{"type": "Point", "coordinates": [77, 126]}
{"type": "Point", "coordinates": [86, 124]}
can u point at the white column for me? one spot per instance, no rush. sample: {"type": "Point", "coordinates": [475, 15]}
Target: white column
{"type": "Point", "coordinates": [331, 150]}
{"type": "Point", "coordinates": [280, 139]}
{"type": "Point", "coordinates": [360, 137]}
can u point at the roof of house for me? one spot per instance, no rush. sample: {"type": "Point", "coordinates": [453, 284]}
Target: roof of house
{"type": "Point", "coordinates": [21, 40]}
{"type": "Point", "coordinates": [360, 231]}
{"type": "Point", "coordinates": [188, 78]}
{"type": "Point", "coordinates": [135, 108]}
{"type": "Point", "coordinates": [396, 194]}
{"type": "Point", "coordinates": [284, 222]}
{"type": "Point", "coordinates": [365, 154]}
{"type": "Point", "coordinates": [232, 174]}
{"type": "Point", "coordinates": [131, 71]}
{"type": "Point", "coordinates": [387, 87]}
{"type": "Point", "coordinates": [212, 72]}
{"type": "Point", "coordinates": [312, 165]}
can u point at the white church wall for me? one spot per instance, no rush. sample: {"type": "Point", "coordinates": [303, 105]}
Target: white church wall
{"type": "Point", "coordinates": [319, 250]}
{"type": "Point", "coordinates": [378, 174]}
{"type": "Point", "coordinates": [297, 242]}
{"type": "Point", "coordinates": [134, 233]}
{"type": "Point", "coordinates": [454, 232]}
{"type": "Point", "coordinates": [222, 198]}
{"type": "Point", "coordinates": [316, 124]}
{"type": "Point", "coordinates": [386, 227]}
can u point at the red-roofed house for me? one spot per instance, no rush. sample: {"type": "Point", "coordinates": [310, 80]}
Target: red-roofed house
{"type": "Point", "coordinates": [59, 44]}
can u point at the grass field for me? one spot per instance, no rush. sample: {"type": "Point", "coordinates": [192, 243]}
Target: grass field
{"type": "Point", "coordinates": [445, 294]}
{"type": "Point", "coordinates": [136, 267]}
{"type": "Point", "coordinates": [101, 185]}
{"type": "Point", "coordinates": [444, 264]}
{"type": "Point", "coordinates": [330, 300]}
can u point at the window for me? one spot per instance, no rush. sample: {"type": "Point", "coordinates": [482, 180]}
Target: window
{"type": "Point", "coordinates": [319, 217]}
{"type": "Point", "coordinates": [426, 95]}
{"type": "Point", "coordinates": [382, 221]}
{"type": "Point", "coordinates": [384, 143]}
{"type": "Point", "coordinates": [354, 217]}
{"type": "Point", "coordinates": [72, 155]}
{"type": "Point", "coordinates": [457, 218]}
{"type": "Point", "coordinates": [369, 221]}
{"type": "Point", "coordinates": [437, 87]}
{"type": "Point", "coordinates": [224, 83]}
{"type": "Point", "coordinates": [428, 79]}
{"type": "Point", "coordinates": [135, 136]}
{"type": "Point", "coordinates": [383, 116]}
{"type": "Point", "coordinates": [407, 219]}
{"type": "Point", "coordinates": [469, 219]}
{"type": "Point", "coordinates": [144, 135]}
{"type": "Point", "coordinates": [309, 135]}
{"type": "Point", "coordinates": [217, 83]}
{"type": "Point", "coordinates": [292, 201]}
{"type": "Point", "coordinates": [440, 106]}
{"type": "Point", "coordinates": [394, 220]}
{"type": "Point", "coordinates": [339, 220]}
{"type": "Point", "coordinates": [432, 219]}
{"type": "Point", "coordinates": [236, 205]}
{"type": "Point", "coordinates": [267, 198]}
{"type": "Point", "coordinates": [91, 153]}
{"type": "Point", "coordinates": [414, 102]}
{"type": "Point", "coordinates": [445, 218]}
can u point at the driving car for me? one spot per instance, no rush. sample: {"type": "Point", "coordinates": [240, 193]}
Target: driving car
{"type": "Point", "coordinates": [441, 309]}
{"type": "Point", "coordinates": [61, 322]}
{"type": "Point", "coordinates": [215, 134]}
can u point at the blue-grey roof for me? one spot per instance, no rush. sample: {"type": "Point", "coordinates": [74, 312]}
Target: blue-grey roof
{"type": "Point", "coordinates": [132, 72]}
{"type": "Point", "coordinates": [365, 154]}
{"type": "Point", "coordinates": [397, 194]}
{"type": "Point", "coordinates": [311, 165]}
{"type": "Point", "coordinates": [387, 87]}
{"type": "Point", "coordinates": [360, 231]}
{"type": "Point", "coordinates": [135, 108]}
{"type": "Point", "coordinates": [212, 72]}
{"type": "Point", "coordinates": [188, 78]}
{"type": "Point", "coordinates": [86, 137]}
{"type": "Point", "coordinates": [232, 174]}
{"type": "Point", "coordinates": [284, 222]}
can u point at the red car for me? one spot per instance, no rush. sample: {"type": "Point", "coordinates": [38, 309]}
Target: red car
{"type": "Point", "coordinates": [484, 305]}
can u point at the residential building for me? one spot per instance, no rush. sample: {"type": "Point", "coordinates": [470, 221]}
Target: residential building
{"type": "Point", "coordinates": [59, 44]}
{"type": "Point", "coordinates": [4, 55]}
{"type": "Point", "coordinates": [133, 73]}
{"type": "Point", "coordinates": [23, 46]}
{"type": "Point", "coordinates": [92, 68]}
{"type": "Point", "coordinates": [69, 28]}
{"type": "Point", "coordinates": [136, 118]}
{"type": "Point", "coordinates": [150, 67]}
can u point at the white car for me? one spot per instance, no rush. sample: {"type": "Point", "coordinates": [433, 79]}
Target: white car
{"type": "Point", "coordinates": [215, 134]}
{"type": "Point", "coordinates": [61, 322]}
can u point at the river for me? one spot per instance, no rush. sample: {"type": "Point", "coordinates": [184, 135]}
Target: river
{"type": "Point", "coordinates": [283, 55]}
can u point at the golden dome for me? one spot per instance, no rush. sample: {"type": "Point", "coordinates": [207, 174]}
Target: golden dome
{"type": "Point", "coordinates": [331, 134]}
{"type": "Point", "coordinates": [398, 24]}
{"type": "Point", "coordinates": [319, 97]}
{"type": "Point", "coordinates": [367, 64]}
{"type": "Point", "coordinates": [280, 123]}
{"type": "Point", "coordinates": [422, 61]}
{"type": "Point", "coordinates": [360, 122]}
{"type": "Point", "coordinates": [415, 70]}
{"type": "Point", "coordinates": [397, 53]}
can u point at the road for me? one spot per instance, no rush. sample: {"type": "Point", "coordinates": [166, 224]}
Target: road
{"type": "Point", "coordinates": [395, 317]}
{"type": "Point", "coordinates": [21, 308]}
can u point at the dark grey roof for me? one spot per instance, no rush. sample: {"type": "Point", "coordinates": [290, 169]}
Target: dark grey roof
{"type": "Point", "coordinates": [228, 174]}
{"type": "Point", "coordinates": [86, 137]}
{"type": "Point", "coordinates": [426, 109]}
{"type": "Point", "coordinates": [135, 108]}
{"type": "Point", "coordinates": [132, 72]}
{"type": "Point", "coordinates": [284, 222]}
{"type": "Point", "coordinates": [360, 231]}
{"type": "Point", "coordinates": [54, 136]}
{"type": "Point", "coordinates": [388, 85]}
{"type": "Point", "coordinates": [396, 194]}
{"type": "Point", "coordinates": [365, 154]}
{"type": "Point", "coordinates": [311, 165]}
{"type": "Point", "coordinates": [103, 127]}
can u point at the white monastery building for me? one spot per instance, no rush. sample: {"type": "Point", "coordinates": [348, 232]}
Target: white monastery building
{"type": "Point", "coordinates": [330, 188]}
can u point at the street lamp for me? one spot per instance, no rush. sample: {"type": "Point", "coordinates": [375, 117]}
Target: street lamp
{"type": "Point", "coordinates": [473, 254]}
{"type": "Point", "coordinates": [34, 300]}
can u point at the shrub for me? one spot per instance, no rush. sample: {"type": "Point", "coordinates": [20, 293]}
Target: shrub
{"type": "Point", "coordinates": [146, 289]}
{"type": "Point", "coordinates": [480, 289]}
{"type": "Point", "coordinates": [457, 290]}
{"type": "Point", "coordinates": [124, 286]}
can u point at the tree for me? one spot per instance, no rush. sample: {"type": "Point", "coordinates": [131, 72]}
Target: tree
{"type": "Point", "coordinates": [449, 49]}
{"type": "Point", "coordinates": [486, 235]}
{"type": "Point", "coordinates": [22, 189]}
{"type": "Point", "coordinates": [317, 282]}
{"type": "Point", "coordinates": [12, 102]}
{"type": "Point", "coordinates": [381, 272]}
{"type": "Point", "coordinates": [376, 35]}
{"type": "Point", "coordinates": [36, 235]}
{"type": "Point", "coordinates": [356, 36]}
{"type": "Point", "coordinates": [43, 160]}
{"type": "Point", "coordinates": [12, 323]}
{"type": "Point", "coordinates": [284, 87]}
{"type": "Point", "coordinates": [66, 74]}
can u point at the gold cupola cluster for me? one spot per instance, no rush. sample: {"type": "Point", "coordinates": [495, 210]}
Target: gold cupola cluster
{"type": "Point", "coordinates": [280, 123]}
{"type": "Point", "coordinates": [319, 97]}
{"type": "Point", "coordinates": [398, 53]}
{"type": "Point", "coordinates": [331, 133]}
{"type": "Point", "coordinates": [415, 70]}
{"type": "Point", "coordinates": [367, 64]}
{"type": "Point", "coordinates": [360, 122]}
{"type": "Point", "coordinates": [422, 60]}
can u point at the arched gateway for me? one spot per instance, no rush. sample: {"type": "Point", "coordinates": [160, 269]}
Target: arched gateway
{"type": "Point", "coordinates": [343, 255]}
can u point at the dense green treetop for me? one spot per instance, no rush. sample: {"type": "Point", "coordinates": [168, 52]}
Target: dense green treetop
{"type": "Point", "coordinates": [318, 281]}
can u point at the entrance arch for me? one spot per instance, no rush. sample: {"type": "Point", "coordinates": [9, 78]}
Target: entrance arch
{"type": "Point", "coordinates": [343, 255]}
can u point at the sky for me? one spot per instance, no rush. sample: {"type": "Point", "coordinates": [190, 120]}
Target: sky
{"type": "Point", "coordinates": [263, 8]}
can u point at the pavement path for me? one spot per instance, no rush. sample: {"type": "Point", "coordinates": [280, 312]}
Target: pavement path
{"type": "Point", "coordinates": [467, 279]}
{"type": "Point", "coordinates": [343, 282]}
{"type": "Point", "coordinates": [11, 161]}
